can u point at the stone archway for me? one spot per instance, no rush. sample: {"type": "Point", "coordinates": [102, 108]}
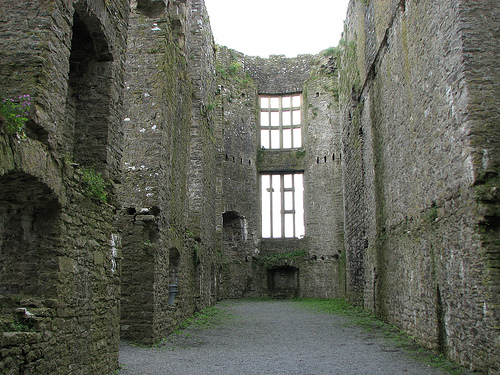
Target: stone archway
{"type": "Point", "coordinates": [233, 224]}
{"type": "Point", "coordinates": [29, 245]}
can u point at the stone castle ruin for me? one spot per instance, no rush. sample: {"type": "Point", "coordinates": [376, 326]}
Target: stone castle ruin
{"type": "Point", "coordinates": [158, 173]}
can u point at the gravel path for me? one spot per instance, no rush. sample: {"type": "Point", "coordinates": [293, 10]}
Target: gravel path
{"type": "Point", "coordinates": [272, 337]}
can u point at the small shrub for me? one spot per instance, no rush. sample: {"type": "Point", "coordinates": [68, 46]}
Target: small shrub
{"type": "Point", "coordinates": [272, 260]}
{"type": "Point", "coordinates": [95, 185]}
{"type": "Point", "coordinates": [331, 51]}
{"type": "Point", "coordinates": [234, 68]}
{"type": "Point", "coordinates": [15, 113]}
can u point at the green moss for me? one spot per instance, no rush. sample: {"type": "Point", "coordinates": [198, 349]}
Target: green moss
{"type": "Point", "coordinates": [272, 260]}
{"type": "Point", "coordinates": [208, 317]}
{"type": "Point", "coordinates": [431, 215]}
{"type": "Point", "coordinates": [350, 80]}
{"type": "Point", "coordinates": [487, 186]}
{"type": "Point", "coordinates": [300, 154]}
{"type": "Point", "coordinates": [14, 326]}
{"type": "Point", "coordinates": [331, 51]}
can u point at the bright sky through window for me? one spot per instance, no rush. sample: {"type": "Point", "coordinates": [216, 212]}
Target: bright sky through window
{"type": "Point", "coordinates": [283, 205]}
{"type": "Point", "coordinates": [262, 27]}
{"type": "Point", "coordinates": [280, 121]}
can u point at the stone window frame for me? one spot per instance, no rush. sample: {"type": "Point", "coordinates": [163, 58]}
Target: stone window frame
{"type": "Point", "coordinates": [286, 197]}
{"type": "Point", "coordinates": [280, 121]}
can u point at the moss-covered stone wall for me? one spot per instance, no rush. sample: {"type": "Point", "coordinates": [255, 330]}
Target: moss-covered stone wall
{"type": "Point", "coordinates": [60, 255]}
{"type": "Point", "coordinates": [133, 191]}
{"type": "Point", "coordinates": [169, 167]}
{"type": "Point", "coordinates": [204, 182]}
{"type": "Point", "coordinates": [412, 126]}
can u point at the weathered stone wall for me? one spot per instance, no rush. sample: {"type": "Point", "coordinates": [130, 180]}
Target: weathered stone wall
{"type": "Point", "coordinates": [204, 176]}
{"type": "Point", "coordinates": [278, 74]}
{"type": "Point", "coordinates": [252, 265]}
{"type": "Point", "coordinates": [153, 189]}
{"type": "Point", "coordinates": [235, 114]}
{"type": "Point", "coordinates": [59, 254]}
{"type": "Point", "coordinates": [320, 270]}
{"type": "Point", "coordinates": [417, 144]}
{"type": "Point", "coordinates": [413, 128]}
{"type": "Point", "coordinates": [324, 215]}
{"type": "Point", "coordinates": [168, 194]}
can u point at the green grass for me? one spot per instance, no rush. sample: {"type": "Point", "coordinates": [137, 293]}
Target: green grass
{"type": "Point", "coordinates": [208, 317]}
{"type": "Point", "coordinates": [357, 316]}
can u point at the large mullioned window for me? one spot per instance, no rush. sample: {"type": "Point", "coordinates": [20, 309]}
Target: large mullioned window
{"type": "Point", "coordinates": [283, 205]}
{"type": "Point", "coordinates": [280, 121]}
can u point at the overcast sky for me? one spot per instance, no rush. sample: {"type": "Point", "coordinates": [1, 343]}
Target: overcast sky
{"type": "Point", "coordinates": [286, 27]}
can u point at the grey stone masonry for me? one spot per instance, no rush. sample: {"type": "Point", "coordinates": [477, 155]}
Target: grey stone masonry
{"type": "Point", "coordinates": [59, 253]}
{"type": "Point", "coordinates": [420, 167]}
{"type": "Point", "coordinates": [131, 190]}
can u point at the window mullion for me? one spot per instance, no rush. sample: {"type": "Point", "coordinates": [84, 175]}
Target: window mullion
{"type": "Point", "coordinates": [271, 205]}
{"type": "Point", "coordinates": [282, 195]}
{"type": "Point", "coordinates": [281, 122]}
{"type": "Point", "coordinates": [293, 205]}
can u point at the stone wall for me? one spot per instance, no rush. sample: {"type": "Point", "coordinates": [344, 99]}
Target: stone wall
{"type": "Point", "coordinates": [324, 215]}
{"type": "Point", "coordinates": [235, 115]}
{"type": "Point", "coordinates": [59, 254]}
{"type": "Point", "coordinates": [204, 176]}
{"type": "Point", "coordinates": [168, 190]}
{"type": "Point", "coordinates": [320, 269]}
{"type": "Point", "coordinates": [415, 152]}
{"type": "Point", "coordinates": [253, 265]}
{"type": "Point", "coordinates": [400, 157]}
{"type": "Point", "coordinates": [154, 168]}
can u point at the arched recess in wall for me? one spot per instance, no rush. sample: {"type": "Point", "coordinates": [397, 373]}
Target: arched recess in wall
{"type": "Point", "coordinates": [29, 242]}
{"type": "Point", "coordinates": [233, 231]}
{"type": "Point", "coordinates": [89, 92]}
{"type": "Point", "coordinates": [283, 282]}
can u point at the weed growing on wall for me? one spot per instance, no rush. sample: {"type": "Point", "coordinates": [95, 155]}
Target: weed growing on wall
{"type": "Point", "coordinates": [14, 113]}
{"type": "Point", "coordinates": [95, 186]}
{"type": "Point", "coordinates": [300, 154]}
{"type": "Point", "coordinates": [273, 260]}
{"type": "Point", "coordinates": [234, 68]}
{"type": "Point", "coordinates": [330, 52]}
{"type": "Point", "coordinates": [14, 326]}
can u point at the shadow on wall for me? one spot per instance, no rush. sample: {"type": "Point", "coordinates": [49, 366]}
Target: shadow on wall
{"type": "Point", "coordinates": [89, 93]}
{"type": "Point", "coordinates": [29, 228]}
